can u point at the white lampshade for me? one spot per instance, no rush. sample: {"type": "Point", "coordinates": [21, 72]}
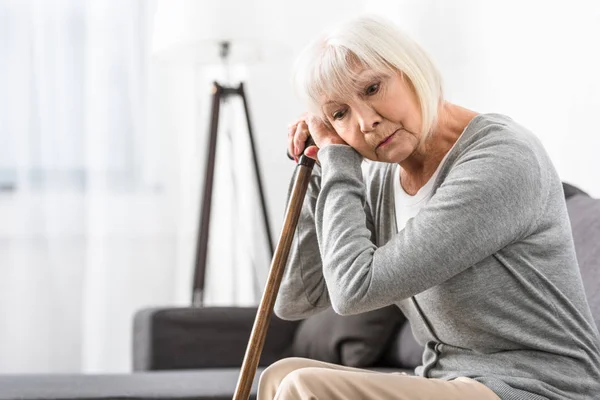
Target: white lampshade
{"type": "Point", "coordinates": [192, 30]}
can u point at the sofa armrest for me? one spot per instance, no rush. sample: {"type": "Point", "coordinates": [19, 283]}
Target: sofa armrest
{"type": "Point", "coordinates": [209, 337]}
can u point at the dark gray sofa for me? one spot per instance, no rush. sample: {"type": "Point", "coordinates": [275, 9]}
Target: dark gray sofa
{"type": "Point", "coordinates": [186, 353]}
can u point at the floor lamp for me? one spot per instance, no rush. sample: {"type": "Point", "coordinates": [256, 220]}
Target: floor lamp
{"type": "Point", "coordinates": [213, 33]}
{"type": "Point", "coordinates": [220, 93]}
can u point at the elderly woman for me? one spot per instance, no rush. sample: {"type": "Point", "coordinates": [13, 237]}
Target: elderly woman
{"type": "Point", "coordinates": [456, 217]}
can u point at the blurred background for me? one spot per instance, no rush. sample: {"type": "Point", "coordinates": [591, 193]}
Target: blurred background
{"type": "Point", "coordinates": [104, 118]}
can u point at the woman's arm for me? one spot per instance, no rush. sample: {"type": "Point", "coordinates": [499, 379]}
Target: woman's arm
{"type": "Point", "coordinates": [303, 290]}
{"type": "Point", "coordinates": [490, 198]}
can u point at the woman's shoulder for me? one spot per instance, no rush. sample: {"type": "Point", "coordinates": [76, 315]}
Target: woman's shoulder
{"type": "Point", "coordinates": [500, 154]}
{"type": "Point", "coordinates": [497, 129]}
{"type": "Point", "coordinates": [501, 139]}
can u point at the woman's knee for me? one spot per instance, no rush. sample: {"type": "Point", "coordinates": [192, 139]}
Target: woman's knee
{"type": "Point", "coordinates": [297, 384]}
{"type": "Point", "coordinates": [280, 369]}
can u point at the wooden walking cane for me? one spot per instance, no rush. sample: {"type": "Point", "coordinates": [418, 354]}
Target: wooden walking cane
{"type": "Point", "coordinates": [267, 303]}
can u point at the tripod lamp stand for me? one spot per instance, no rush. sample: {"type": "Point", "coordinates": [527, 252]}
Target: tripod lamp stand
{"type": "Point", "coordinates": [219, 94]}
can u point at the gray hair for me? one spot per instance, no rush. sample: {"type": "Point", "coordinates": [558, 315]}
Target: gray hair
{"type": "Point", "coordinates": [326, 67]}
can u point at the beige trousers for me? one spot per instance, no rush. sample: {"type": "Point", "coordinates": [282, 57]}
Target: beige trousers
{"type": "Point", "coordinates": [300, 378]}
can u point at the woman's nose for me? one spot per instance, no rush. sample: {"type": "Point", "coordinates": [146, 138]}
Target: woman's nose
{"type": "Point", "coordinates": [369, 122]}
{"type": "Point", "coordinates": [368, 118]}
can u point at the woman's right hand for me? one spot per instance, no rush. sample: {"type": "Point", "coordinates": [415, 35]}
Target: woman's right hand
{"type": "Point", "coordinates": [297, 136]}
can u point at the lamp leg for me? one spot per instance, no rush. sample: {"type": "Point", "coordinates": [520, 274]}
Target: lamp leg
{"type": "Point", "coordinates": [202, 237]}
{"type": "Point", "coordinates": [257, 173]}
{"type": "Point", "coordinates": [219, 93]}
{"type": "Point", "coordinates": [260, 187]}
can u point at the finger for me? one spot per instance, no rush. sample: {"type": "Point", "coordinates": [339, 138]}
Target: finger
{"type": "Point", "coordinates": [291, 157]}
{"type": "Point", "coordinates": [300, 138]}
{"type": "Point", "coordinates": [297, 134]}
{"type": "Point", "coordinates": [291, 132]}
{"type": "Point", "coordinates": [312, 151]}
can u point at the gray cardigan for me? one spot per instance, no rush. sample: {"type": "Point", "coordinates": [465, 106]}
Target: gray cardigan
{"type": "Point", "coordinates": [486, 273]}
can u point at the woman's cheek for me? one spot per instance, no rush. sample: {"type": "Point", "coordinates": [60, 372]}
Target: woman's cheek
{"type": "Point", "coordinates": [358, 143]}
{"type": "Point", "coordinates": [340, 128]}
{"type": "Point", "coordinates": [348, 137]}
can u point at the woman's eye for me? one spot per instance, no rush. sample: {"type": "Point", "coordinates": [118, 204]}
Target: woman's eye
{"type": "Point", "coordinates": [338, 114]}
{"type": "Point", "coordinates": [372, 89]}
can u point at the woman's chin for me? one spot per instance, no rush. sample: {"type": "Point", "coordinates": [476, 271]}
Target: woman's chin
{"type": "Point", "coordinates": [393, 155]}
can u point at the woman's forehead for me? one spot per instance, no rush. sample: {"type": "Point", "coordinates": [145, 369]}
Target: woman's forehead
{"type": "Point", "coordinates": [350, 83]}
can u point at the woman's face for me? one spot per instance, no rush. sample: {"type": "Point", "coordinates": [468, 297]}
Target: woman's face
{"type": "Point", "coordinates": [382, 122]}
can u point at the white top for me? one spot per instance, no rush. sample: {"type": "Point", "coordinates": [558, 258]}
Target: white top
{"type": "Point", "coordinates": [408, 206]}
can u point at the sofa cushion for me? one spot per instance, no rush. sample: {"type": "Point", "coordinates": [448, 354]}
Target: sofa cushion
{"type": "Point", "coordinates": [206, 384]}
{"type": "Point", "coordinates": [213, 384]}
{"type": "Point", "coordinates": [404, 350]}
{"type": "Point", "coordinates": [204, 337]}
{"type": "Point", "coordinates": [352, 340]}
{"type": "Point", "coordinates": [570, 190]}
{"type": "Point", "coordinates": [584, 213]}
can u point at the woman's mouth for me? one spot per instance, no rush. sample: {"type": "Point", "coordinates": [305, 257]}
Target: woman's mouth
{"type": "Point", "coordinates": [387, 140]}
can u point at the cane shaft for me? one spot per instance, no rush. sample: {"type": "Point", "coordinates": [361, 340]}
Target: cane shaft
{"type": "Point", "coordinates": [267, 303]}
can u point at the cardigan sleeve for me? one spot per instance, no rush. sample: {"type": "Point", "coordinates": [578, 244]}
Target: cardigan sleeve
{"type": "Point", "coordinates": [490, 197]}
{"type": "Point", "coordinates": [303, 289]}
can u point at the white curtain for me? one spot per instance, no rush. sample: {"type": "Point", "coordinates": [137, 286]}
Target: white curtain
{"type": "Point", "coordinates": [102, 156]}
{"type": "Point", "coordinates": [86, 231]}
